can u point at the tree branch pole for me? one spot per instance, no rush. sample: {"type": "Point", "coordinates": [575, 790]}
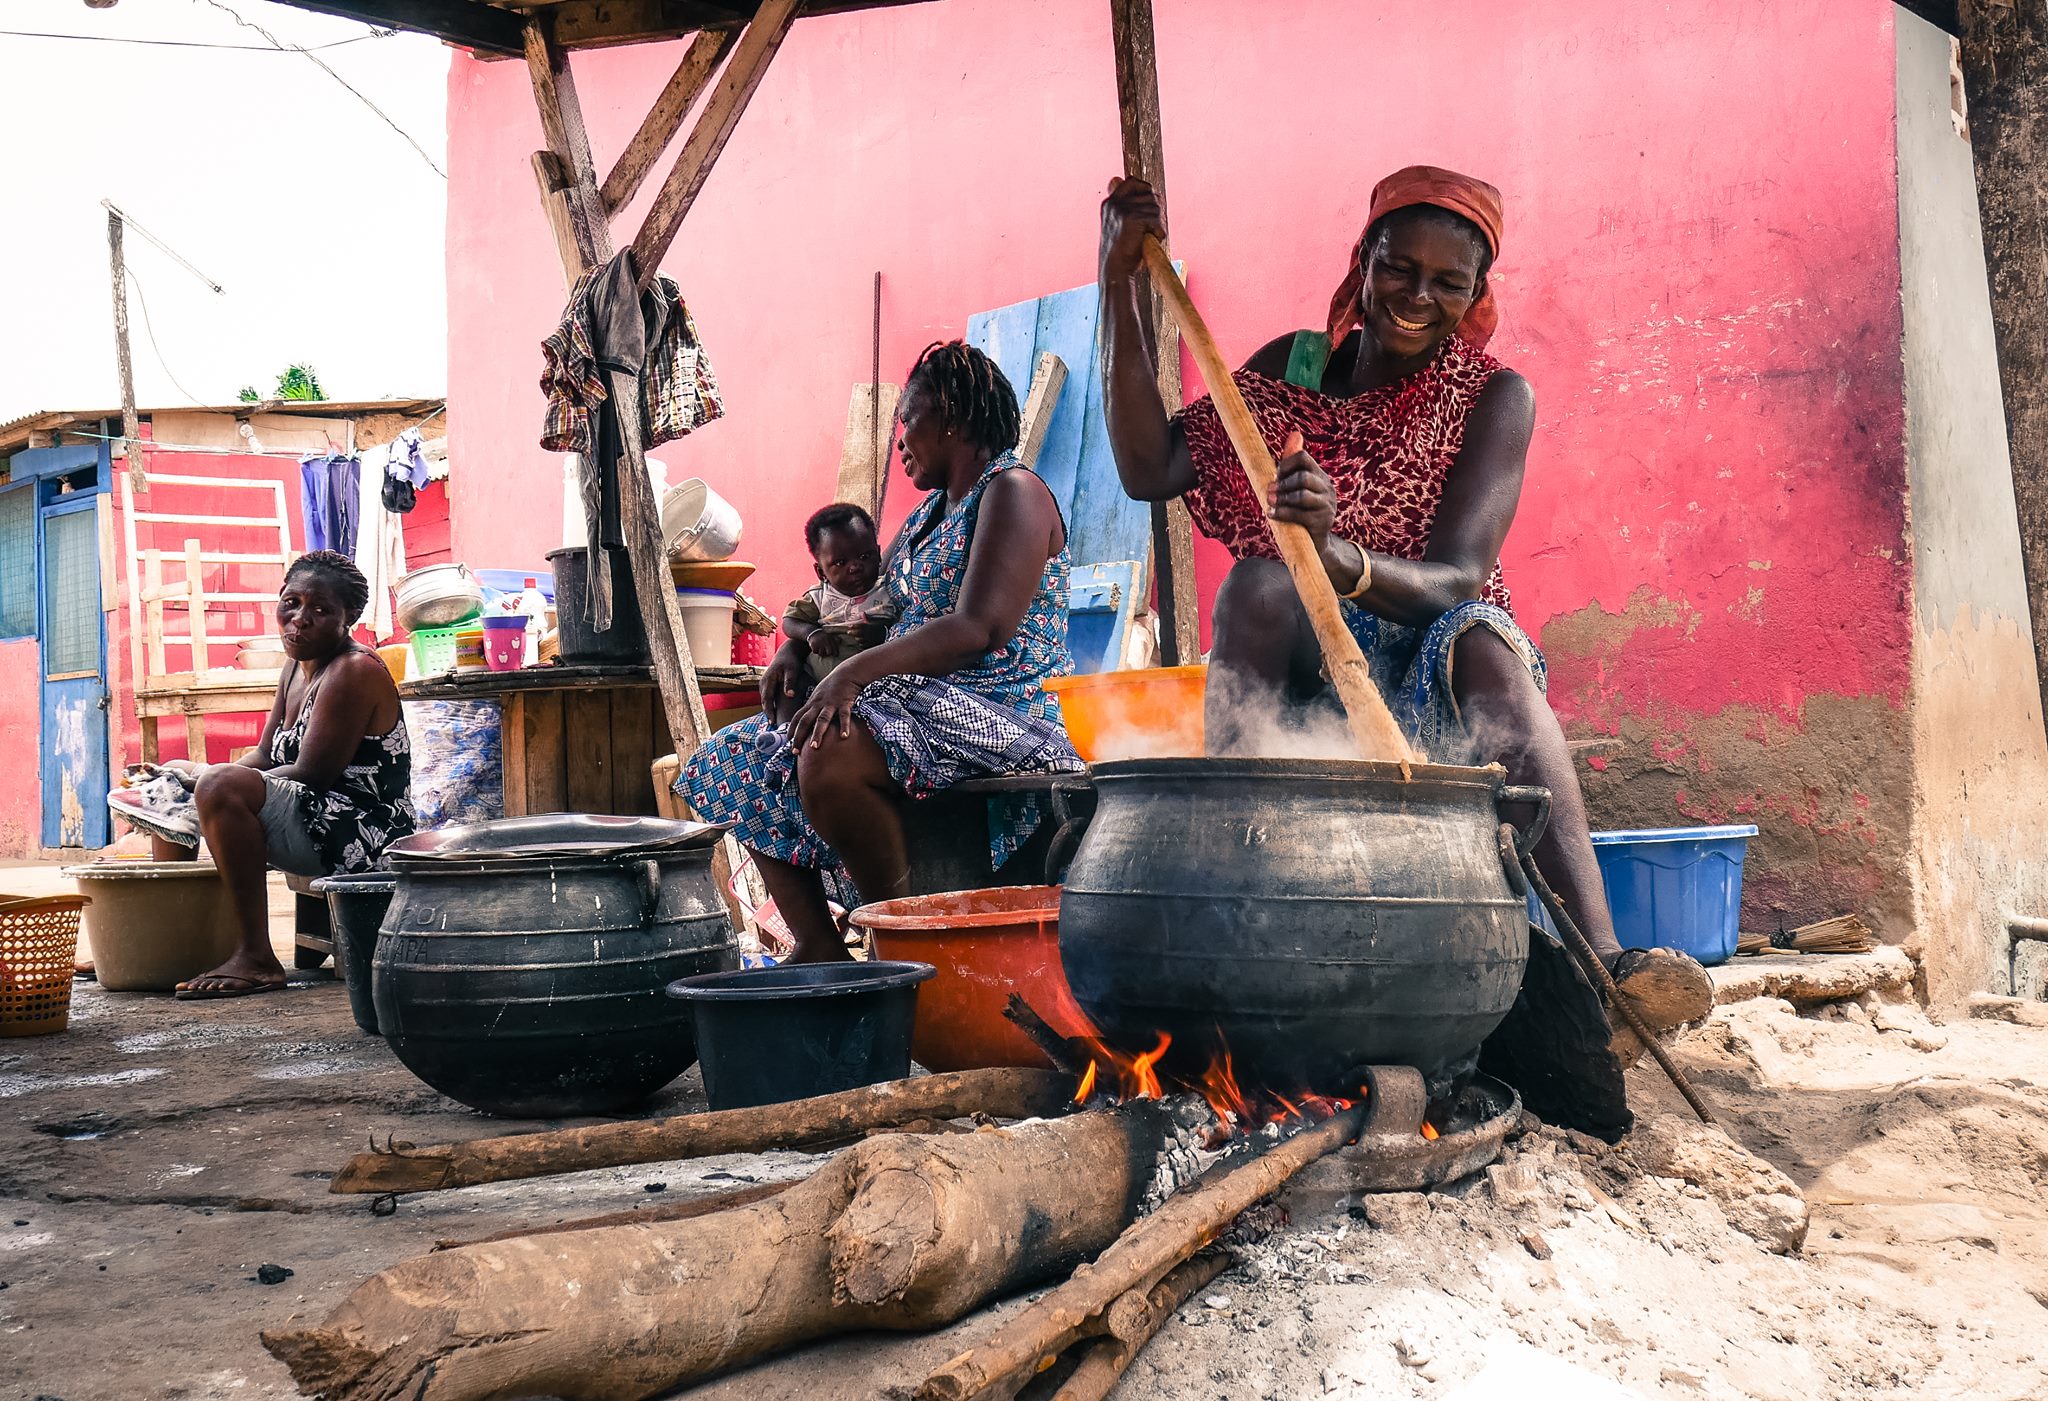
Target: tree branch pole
{"type": "Point", "coordinates": [131, 428]}
{"type": "Point", "coordinates": [1173, 539]}
{"type": "Point", "coordinates": [1373, 728]}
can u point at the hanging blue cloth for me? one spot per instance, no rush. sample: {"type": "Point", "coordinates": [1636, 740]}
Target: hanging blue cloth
{"type": "Point", "coordinates": [313, 502]}
{"type": "Point", "coordinates": [330, 503]}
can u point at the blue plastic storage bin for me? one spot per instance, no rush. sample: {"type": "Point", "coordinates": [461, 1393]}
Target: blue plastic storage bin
{"type": "Point", "coordinates": [497, 583]}
{"type": "Point", "coordinates": [1675, 887]}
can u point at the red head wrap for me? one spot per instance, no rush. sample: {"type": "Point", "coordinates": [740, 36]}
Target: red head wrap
{"type": "Point", "coordinates": [1446, 189]}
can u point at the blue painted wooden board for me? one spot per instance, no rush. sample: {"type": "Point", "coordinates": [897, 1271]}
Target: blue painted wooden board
{"type": "Point", "coordinates": [74, 658]}
{"type": "Point", "coordinates": [1103, 524]}
{"type": "Point", "coordinates": [1103, 599]}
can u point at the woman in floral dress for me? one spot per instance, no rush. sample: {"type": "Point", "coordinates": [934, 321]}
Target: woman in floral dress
{"type": "Point", "coordinates": [980, 571]}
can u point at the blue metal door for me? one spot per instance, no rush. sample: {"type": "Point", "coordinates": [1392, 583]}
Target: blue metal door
{"type": "Point", "coordinates": [73, 630]}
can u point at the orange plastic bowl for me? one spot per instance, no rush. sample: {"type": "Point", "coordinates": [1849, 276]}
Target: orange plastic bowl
{"type": "Point", "coordinates": [1149, 714]}
{"type": "Point", "coordinates": [986, 945]}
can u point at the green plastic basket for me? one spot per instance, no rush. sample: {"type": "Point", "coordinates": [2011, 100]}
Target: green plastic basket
{"type": "Point", "coordinates": [433, 649]}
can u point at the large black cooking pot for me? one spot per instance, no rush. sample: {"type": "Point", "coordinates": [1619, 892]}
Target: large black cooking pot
{"type": "Point", "coordinates": [522, 965]}
{"type": "Point", "coordinates": [1316, 915]}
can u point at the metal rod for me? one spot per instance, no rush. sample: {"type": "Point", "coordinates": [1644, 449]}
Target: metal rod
{"type": "Point", "coordinates": [1602, 979]}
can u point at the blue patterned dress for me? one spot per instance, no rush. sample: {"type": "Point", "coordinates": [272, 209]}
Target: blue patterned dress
{"type": "Point", "coordinates": [994, 717]}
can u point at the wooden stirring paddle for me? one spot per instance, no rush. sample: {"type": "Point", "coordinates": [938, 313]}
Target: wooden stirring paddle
{"type": "Point", "coordinates": [1373, 728]}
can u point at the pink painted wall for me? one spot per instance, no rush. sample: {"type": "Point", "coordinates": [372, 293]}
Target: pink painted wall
{"type": "Point", "coordinates": [1700, 277]}
{"type": "Point", "coordinates": [21, 797]}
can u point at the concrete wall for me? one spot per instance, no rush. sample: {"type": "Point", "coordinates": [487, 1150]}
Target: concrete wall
{"type": "Point", "coordinates": [21, 794]}
{"type": "Point", "coordinates": [1981, 760]}
{"type": "Point", "coordinates": [1700, 277]}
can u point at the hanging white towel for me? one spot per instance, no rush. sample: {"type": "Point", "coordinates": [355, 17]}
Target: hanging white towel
{"type": "Point", "coordinates": [380, 541]}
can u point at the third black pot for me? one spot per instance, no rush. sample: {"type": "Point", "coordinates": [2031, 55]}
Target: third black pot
{"type": "Point", "coordinates": [1317, 915]}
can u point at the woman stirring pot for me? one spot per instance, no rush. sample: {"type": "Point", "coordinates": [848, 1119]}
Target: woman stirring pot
{"type": "Point", "coordinates": [323, 792]}
{"type": "Point", "coordinates": [1401, 447]}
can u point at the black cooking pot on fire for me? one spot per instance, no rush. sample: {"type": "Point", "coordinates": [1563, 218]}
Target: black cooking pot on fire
{"type": "Point", "coordinates": [1315, 915]}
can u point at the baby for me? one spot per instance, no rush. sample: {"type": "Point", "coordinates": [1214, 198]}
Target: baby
{"type": "Point", "coordinates": [847, 611]}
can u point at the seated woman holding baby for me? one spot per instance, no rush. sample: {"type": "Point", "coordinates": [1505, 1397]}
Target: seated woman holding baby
{"type": "Point", "coordinates": [976, 583]}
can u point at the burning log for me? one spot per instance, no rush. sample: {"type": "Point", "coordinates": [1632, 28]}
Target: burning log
{"type": "Point", "coordinates": [1143, 1255]}
{"type": "Point", "coordinates": [1000, 1094]}
{"type": "Point", "coordinates": [898, 1232]}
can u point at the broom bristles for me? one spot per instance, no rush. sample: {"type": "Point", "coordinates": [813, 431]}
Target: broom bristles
{"type": "Point", "coordinates": [1842, 934]}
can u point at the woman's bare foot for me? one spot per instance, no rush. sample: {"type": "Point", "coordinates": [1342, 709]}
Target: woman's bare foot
{"type": "Point", "coordinates": [240, 976]}
{"type": "Point", "coordinates": [1666, 988]}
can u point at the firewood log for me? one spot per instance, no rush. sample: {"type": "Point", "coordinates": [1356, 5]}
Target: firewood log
{"type": "Point", "coordinates": [1140, 1258]}
{"type": "Point", "coordinates": [898, 1232]}
{"type": "Point", "coordinates": [1000, 1094]}
{"type": "Point", "coordinates": [1130, 1323]}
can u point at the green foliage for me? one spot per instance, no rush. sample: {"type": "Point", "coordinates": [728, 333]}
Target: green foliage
{"type": "Point", "coordinates": [297, 382]}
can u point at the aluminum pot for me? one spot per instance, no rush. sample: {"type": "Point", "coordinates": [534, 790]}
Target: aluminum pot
{"type": "Point", "coordinates": [438, 595]}
{"type": "Point", "coordinates": [521, 968]}
{"type": "Point", "coordinates": [1318, 916]}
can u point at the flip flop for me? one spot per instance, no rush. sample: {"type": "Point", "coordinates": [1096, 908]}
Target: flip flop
{"type": "Point", "coordinates": [246, 987]}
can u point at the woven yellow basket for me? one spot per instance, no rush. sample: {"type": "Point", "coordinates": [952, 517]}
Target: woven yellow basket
{"type": "Point", "coordinates": [38, 951]}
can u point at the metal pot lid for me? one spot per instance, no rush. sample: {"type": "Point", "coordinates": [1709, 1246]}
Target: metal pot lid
{"type": "Point", "coordinates": [582, 835]}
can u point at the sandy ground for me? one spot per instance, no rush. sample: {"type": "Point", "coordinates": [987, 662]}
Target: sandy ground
{"type": "Point", "coordinates": [153, 1157]}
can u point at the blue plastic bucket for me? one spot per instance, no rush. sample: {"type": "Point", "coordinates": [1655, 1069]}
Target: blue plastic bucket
{"type": "Point", "coordinates": [1675, 887]}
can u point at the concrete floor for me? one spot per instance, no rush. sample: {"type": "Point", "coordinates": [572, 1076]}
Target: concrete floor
{"type": "Point", "coordinates": [154, 1155]}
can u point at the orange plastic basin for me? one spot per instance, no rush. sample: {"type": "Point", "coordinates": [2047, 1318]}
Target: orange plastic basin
{"type": "Point", "coordinates": [986, 945]}
{"type": "Point", "coordinates": [1147, 714]}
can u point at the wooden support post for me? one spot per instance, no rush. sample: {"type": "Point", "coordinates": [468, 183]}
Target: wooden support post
{"type": "Point", "coordinates": [131, 442]}
{"type": "Point", "coordinates": [1173, 541]}
{"type": "Point", "coordinates": [561, 122]}
{"type": "Point", "coordinates": [561, 118]}
{"type": "Point", "coordinates": [665, 118]}
{"type": "Point", "coordinates": [714, 127]}
{"type": "Point", "coordinates": [554, 202]}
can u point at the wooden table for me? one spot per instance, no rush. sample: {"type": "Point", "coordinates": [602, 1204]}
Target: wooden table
{"type": "Point", "coordinates": [579, 738]}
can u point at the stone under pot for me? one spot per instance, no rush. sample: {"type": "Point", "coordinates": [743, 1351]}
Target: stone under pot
{"type": "Point", "coordinates": [521, 966]}
{"type": "Point", "coordinates": [1317, 916]}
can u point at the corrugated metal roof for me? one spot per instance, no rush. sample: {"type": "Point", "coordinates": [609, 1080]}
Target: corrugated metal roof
{"type": "Point", "coordinates": [14, 433]}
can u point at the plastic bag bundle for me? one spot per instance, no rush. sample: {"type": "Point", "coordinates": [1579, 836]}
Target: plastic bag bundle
{"type": "Point", "coordinates": [458, 760]}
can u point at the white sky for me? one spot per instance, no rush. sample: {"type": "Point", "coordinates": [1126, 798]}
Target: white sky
{"type": "Point", "coordinates": [324, 227]}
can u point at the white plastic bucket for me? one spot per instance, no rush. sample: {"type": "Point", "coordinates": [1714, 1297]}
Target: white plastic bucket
{"type": "Point", "coordinates": [707, 620]}
{"type": "Point", "coordinates": [698, 523]}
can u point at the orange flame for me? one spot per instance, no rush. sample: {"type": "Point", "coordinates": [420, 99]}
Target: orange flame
{"type": "Point", "coordinates": [1087, 1085]}
{"type": "Point", "coordinates": [1145, 1080]}
{"type": "Point", "coordinates": [1226, 1097]}
{"type": "Point", "coordinates": [1429, 1130]}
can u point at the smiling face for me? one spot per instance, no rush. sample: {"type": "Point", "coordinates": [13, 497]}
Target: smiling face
{"type": "Point", "coordinates": [849, 558]}
{"type": "Point", "coordinates": [311, 618]}
{"type": "Point", "coordinates": [1423, 270]}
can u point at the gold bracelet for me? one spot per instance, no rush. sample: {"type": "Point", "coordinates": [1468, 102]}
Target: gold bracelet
{"type": "Point", "coordinates": [1364, 572]}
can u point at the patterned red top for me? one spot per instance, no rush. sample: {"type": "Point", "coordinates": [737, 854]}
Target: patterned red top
{"type": "Point", "coordinates": [1387, 452]}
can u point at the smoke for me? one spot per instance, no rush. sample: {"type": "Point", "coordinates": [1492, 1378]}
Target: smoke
{"type": "Point", "coordinates": [1237, 716]}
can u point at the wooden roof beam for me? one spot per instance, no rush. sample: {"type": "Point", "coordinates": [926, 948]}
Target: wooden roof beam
{"type": "Point", "coordinates": [713, 129]}
{"type": "Point", "coordinates": [485, 28]}
{"type": "Point", "coordinates": [665, 118]}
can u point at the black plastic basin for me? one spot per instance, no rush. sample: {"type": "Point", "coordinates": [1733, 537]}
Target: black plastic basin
{"type": "Point", "coordinates": [771, 1035]}
{"type": "Point", "coordinates": [355, 909]}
